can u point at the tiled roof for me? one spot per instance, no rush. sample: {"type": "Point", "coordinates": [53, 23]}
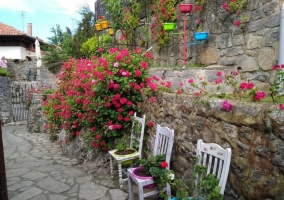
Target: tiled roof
{"type": "Point", "coordinates": [9, 30]}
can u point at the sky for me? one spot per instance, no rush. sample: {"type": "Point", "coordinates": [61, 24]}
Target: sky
{"type": "Point", "coordinates": [43, 14]}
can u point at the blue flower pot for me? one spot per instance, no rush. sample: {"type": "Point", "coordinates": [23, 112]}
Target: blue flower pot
{"type": "Point", "coordinates": [200, 36]}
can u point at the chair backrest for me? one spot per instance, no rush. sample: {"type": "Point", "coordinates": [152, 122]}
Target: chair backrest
{"type": "Point", "coordinates": [216, 159]}
{"type": "Point", "coordinates": [137, 132]}
{"type": "Point", "coordinates": [164, 142]}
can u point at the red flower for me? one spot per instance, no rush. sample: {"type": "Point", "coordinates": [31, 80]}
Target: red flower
{"type": "Point", "coordinates": [164, 164]}
{"type": "Point", "coordinates": [95, 145]}
{"type": "Point", "coordinates": [98, 137]}
{"type": "Point", "coordinates": [238, 23]}
{"type": "Point", "coordinates": [281, 106]}
{"type": "Point", "coordinates": [218, 73]}
{"type": "Point", "coordinates": [150, 123]}
{"type": "Point", "coordinates": [197, 8]}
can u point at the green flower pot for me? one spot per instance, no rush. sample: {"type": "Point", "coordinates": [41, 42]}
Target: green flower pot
{"type": "Point", "coordinates": [169, 26]}
{"type": "Point", "coordinates": [127, 162]}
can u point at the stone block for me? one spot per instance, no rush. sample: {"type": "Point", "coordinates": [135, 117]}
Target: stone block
{"type": "Point", "coordinates": [208, 56]}
{"type": "Point", "coordinates": [265, 58]}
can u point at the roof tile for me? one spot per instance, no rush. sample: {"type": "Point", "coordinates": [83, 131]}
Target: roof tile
{"type": "Point", "coordinates": [9, 30]}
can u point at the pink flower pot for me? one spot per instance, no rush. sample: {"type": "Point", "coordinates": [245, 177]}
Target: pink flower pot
{"type": "Point", "coordinates": [146, 177]}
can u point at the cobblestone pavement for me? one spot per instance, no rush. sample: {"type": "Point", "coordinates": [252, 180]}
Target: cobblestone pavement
{"type": "Point", "coordinates": [36, 169]}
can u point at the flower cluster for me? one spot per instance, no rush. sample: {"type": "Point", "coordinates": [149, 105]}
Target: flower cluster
{"type": "Point", "coordinates": [100, 18]}
{"type": "Point", "coordinates": [236, 6]}
{"type": "Point", "coordinates": [226, 105]}
{"type": "Point", "coordinates": [164, 11]}
{"type": "Point", "coordinates": [102, 94]}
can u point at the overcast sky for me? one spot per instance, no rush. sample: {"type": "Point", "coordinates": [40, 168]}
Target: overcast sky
{"type": "Point", "coordinates": [43, 14]}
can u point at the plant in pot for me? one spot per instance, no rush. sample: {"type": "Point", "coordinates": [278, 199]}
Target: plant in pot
{"type": "Point", "coordinates": [201, 186]}
{"type": "Point", "coordinates": [101, 23]}
{"type": "Point", "coordinates": [200, 35]}
{"type": "Point", "coordinates": [122, 150]}
{"type": "Point", "coordinates": [155, 167]}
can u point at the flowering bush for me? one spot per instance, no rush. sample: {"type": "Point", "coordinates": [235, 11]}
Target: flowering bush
{"type": "Point", "coordinates": [164, 11]}
{"type": "Point", "coordinates": [100, 18]}
{"type": "Point", "coordinates": [102, 93]}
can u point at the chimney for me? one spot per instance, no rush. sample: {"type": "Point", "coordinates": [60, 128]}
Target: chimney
{"type": "Point", "coordinates": [30, 29]}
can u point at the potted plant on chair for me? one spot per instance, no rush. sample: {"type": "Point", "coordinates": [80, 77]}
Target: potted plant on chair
{"type": "Point", "coordinates": [122, 150]}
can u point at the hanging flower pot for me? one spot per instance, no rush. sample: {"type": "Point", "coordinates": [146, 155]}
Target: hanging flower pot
{"type": "Point", "coordinates": [104, 23]}
{"type": "Point", "coordinates": [140, 173]}
{"type": "Point", "coordinates": [199, 36]}
{"type": "Point", "coordinates": [185, 7]}
{"type": "Point", "coordinates": [169, 26]}
{"type": "Point", "coordinates": [98, 27]}
{"type": "Point", "coordinates": [110, 31]}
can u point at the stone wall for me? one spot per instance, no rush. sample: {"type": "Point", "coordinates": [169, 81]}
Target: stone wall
{"type": "Point", "coordinates": [20, 70]}
{"type": "Point", "coordinates": [262, 80]}
{"type": "Point", "coordinates": [5, 100]}
{"type": "Point", "coordinates": [254, 46]}
{"type": "Point", "coordinates": [254, 132]}
{"type": "Point", "coordinates": [35, 118]}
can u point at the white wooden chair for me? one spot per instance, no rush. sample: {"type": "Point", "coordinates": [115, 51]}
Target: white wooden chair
{"type": "Point", "coordinates": [138, 124]}
{"type": "Point", "coordinates": [163, 145]}
{"type": "Point", "coordinates": [216, 159]}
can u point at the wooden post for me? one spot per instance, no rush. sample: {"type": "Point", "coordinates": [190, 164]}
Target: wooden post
{"type": "Point", "coordinates": [3, 183]}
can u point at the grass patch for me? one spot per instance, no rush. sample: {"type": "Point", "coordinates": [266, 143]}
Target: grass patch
{"type": "Point", "coordinates": [4, 72]}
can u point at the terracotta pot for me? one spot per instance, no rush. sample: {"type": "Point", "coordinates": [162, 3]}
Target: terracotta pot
{"type": "Point", "coordinates": [98, 27]}
{"type": "Point", "coordinates": [185, 8]}
{"type": "Point", "coordinates": [146, 177]}
{"type": "Point", "coordinates": [169, 26]}
{"type": "Point", "coordinates": [104, 24]}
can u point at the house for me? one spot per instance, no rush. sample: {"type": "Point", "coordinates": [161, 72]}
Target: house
{"type": "Point", "coordinates": [15, 44]}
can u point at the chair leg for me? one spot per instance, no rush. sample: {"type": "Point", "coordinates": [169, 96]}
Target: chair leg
{"type": "Point", "coordinates": [120, 175]}
{"type": "Point", "coordinates": [140, 192]}
{"type": "Point", "coordinates": [130, 187]}
{"type": "Point", "coordinates": [111, 167]}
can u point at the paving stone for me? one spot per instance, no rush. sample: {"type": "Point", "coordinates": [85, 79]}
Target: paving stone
{"type": "Point", "coordinates": [57, 197]}
{"type": "Point", "coordinates": [83, 179]}
{"type": "Point", "coordinates": [91, 191]}
{"type": "Point", "coordinates": [73, 189]}
{"type": "Point", "coordinates": [52, 185]}
{"type": "Point", "coordinates": [118, 194]}
{"type": "Point", "coordinates": [16, 172]}
{"type": "Point", "coordinates": [28, 194]}
{"type": "Point", "coordinates": [20, 185]}
{"type": "Point", "coordinates": [34, 175]}
{"type": "Point", "coordinates": [40, 197]}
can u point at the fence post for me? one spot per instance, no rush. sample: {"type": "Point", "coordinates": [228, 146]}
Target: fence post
{"type": "Point", "coordinates": [3, 183]}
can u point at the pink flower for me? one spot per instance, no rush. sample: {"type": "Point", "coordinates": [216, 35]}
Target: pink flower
{"type": "Point", "coordinates": [131, 112]}
{"type": "Point", "coordinates": [181, 84]}
{"type": "Point", "coordinates": [100, 49]}
{"type": "Point", "coordinates": [235, 73]}
{"type": "Point", "coordinates": [259, 95]}
{"type": "Point", "coordinates": [179, 92]}
{"type": "Point", "coordinates": [120, 117]}
{"type": "Point", "coordinates": [116, 64]}
{"type": "Point", "coordinates": [127, 119]}
{"type": "Point", "coordinates": [226, 105]}
{"type": "Point", "coordinates": [218, 73]}
{"type": "Point", "coordinates": [137, 73]}
{"type": "Point", "coordinates": [153, 99]}
{"type": "Point", "coordinates": [281, 106]}
{"type": "Point", "coordinates": [218, 80]}
{"type": "Point", "coordinates": [197, 8]}
{"type": "Point", "coordinates": [190, 80]}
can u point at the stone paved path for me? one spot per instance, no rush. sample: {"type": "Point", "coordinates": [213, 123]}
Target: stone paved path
{"type": "Point", "coordinates": [36, 169]}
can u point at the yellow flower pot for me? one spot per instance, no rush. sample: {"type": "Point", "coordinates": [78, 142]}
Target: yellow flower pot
{"type": "Point", "coordinates": [104, 24]}
{"type": "Point", "coordinates": [110, 31]}
{"type": "Point", "coordinates": [98, 27]}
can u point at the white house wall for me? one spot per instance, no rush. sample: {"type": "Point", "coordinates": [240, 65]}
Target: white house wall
{"type": "Point", "coordinates": [14, 52]}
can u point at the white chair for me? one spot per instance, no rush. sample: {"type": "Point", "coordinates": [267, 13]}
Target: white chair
{"type": "Point", "coordinates": [163, 145]}
{"type": "Point", "coordinates": [138, 124]}
{"type": "Point", "coordinates": [216, 159]}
